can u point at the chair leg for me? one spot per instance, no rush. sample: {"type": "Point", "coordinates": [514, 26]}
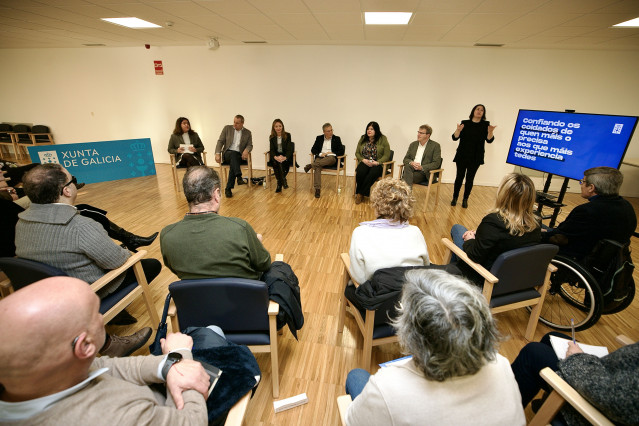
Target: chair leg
{"type": "Point", "coordinates": [146, 293]}
{"type": "Point", "coordinates": [534, 313]}
{"type": "Point", "coordinates": [342, 303]}
{"type": "Point", "coordinates": [548, 410]}
{"type": "Point", "coordinates": [274, 360]}
{"type": "Point", "coordinates": [367, 349]}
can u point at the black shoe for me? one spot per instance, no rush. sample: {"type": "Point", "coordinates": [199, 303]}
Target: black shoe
{"type": "Point", "coordinates": [228, 193]}
{"type": "Point", "coordinates": [241, 181]}
{"type": "Point", "coordinates": [307, 168]}
{"type": "Point", "coordinates": [317, 193]}
{"type": "Point", "coordinates": [278, 189]}
{"type": "Point", "coordinates": [465, 203]}
{"type": "Point", "coordinates": [454, 202]}
{"type": "Point", "coordinates": [123, 318]}
{"type": "Point", "coordinates": [285, 184]}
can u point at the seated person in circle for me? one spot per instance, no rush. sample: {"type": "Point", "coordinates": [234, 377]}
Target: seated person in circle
{"type": "Point", "coordinates": [326, 148]}
{"type": "Point", "coordinates": [511, 224]}
{"type": "Point", "coordinates": [388, 240]}
{"type": "Point", "coordinates": [422, 156]}
{"type": "Point", "coordinates": [371, 152]}
{"type": "Point", "coordinates": [185, 144]}
{"type": "Point", "coordinates": [281, 146]}
{"type": "Point", "coordinates": [455, 376]}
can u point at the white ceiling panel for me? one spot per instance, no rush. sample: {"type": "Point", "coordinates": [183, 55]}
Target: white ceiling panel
{"type": "Point", "coordinates": [332, 19]}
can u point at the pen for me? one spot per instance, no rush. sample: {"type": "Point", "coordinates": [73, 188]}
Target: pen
{"type": "Point", "coordinates": [572, 327]}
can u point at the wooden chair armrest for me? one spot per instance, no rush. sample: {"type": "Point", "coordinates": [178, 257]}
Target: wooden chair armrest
{"type": "Point", "coordinates": [273, 308]}
{"type": "Point", "coordinates": [235, 416]}
{"type": "Point", "coordinates": [435, 171]}
{"type": "Point", "coordinates": [343, 402]}
{"type": "Point", "coordinates": [624, 340]}
{"type": "Point", "coordinates": [552, 268]}
{"type": "Point", "coordinates": [476, 266]}
{"type": "Point", "coordinates": [111, 275]}
{"type": "Point", "coordinates": [172, 311]}
{"type": "Point", "coordinates": [386, 163]}
{"type": "Point", "coordinates": [346, 260]}
{"type": "Point", "coordinates": [573, 398]}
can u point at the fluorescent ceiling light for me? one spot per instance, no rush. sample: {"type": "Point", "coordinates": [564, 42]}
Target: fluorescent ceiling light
{"type": "Point", "coordinates": [632, 23]}
{"type": "Point", "coordinates": [387, 18]}
{"type": "Point", "coordinates": [131, 22]}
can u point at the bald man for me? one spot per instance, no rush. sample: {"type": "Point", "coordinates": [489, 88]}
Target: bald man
{"type": "Point", "coordinates": [51, 332]}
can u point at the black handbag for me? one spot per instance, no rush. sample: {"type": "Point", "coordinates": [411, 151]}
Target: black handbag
{"type": "Point", "coordinates": [155, 348]}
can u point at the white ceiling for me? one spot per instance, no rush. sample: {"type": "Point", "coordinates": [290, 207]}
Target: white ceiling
{"type": "Point", "coordinates": [547, 24]}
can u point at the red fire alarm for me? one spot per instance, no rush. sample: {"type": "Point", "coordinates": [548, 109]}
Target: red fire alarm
{"type": "Point", "coordinates": [159, 69]}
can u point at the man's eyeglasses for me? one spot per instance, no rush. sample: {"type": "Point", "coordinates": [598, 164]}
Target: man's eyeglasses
{"type": "Point", "coordinates": [72, 181]}
{"type": "Point", "coordinates": [421, 133]}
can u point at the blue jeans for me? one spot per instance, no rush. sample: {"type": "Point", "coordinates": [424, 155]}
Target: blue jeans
{"type": "Point", "coordinates": [456, 233]}
{"type": "Point", "coordinates": [355, 382]}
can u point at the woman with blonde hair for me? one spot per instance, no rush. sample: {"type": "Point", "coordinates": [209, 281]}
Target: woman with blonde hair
{"type": "Point", "coordinates": [510, 224]}
{"type": "Point", "coordinates": [388, 240]}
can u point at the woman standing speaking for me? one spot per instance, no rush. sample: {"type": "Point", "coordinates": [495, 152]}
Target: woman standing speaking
{"type": "Point", "coordinates": [471, 134]}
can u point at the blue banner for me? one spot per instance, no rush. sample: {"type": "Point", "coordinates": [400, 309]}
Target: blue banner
{"type": "Point", "coordinates": [99, 161]}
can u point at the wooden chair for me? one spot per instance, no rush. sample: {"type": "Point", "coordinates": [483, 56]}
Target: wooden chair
{"type": "Point", "coordinates": [339, 168]}
{"type": "Point", "coordinates": [5, 285]}
{"type": "Point", "coordinates": [523, 275]}
{"type": "Point", "coordinates": [23, 272]}
{"type": "Point", "coordinates": [223, 170]}
{"type": "Point", "coordinates": [374, 334]}
{"type": "Point", "coordinates": [240, 307]}
{"type": "Point", "coordinates": [39, 135]}
{"type": "Point", "coordinates": [6, 139]}
{"type": "Point", "coordinates": [174, 170]}
{"type": "Point", "coordinates": [269, 168]}
{"type": "Point", "coordinates": [388, 169]}
{"type": "Point", "coordinates": [20, 135]}
{"type": "Point", "coordinates": [563, 393]}
{"type": "Point", "coordinates": [343, 402]}
{"type": "Point", "coordinates": [434, 179]}
{"type": "Point", "coordinates": [237, 413]}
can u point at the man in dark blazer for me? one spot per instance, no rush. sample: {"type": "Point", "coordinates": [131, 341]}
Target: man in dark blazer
{"type": "Point", "coordinates": [606, 215]}
{"type": "Point", "coordinates": [423, 156]}
{"type": "Point", "coordinates": [233, 146]}
{"type": "Point", "coordinates": [326, 148]}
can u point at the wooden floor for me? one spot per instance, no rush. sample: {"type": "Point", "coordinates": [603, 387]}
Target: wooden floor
{"type": "Point", "coordinates": [311, 233]}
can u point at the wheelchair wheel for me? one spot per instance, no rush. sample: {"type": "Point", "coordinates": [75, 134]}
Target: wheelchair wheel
{"type": "Point", "coordinates": [573, 293]}
{"type": "Point", "coordinates": [626, 302]}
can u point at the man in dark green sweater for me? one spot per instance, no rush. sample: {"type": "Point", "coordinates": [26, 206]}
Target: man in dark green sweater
{"type": "Point", "coordinates": [207, 245]}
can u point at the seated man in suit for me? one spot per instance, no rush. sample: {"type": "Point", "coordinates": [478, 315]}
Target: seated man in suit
{"type": "Point", "coordinates": [606, 215]}
{"type": "Point", "coordinates": [51, 332]}
{"type": "Point", "coordinates": [234, 145]}
{"type": "Point", "coordinates": [423, 156]}
{"type": "Point", "coordinates": [326, 148]}
{"type": "Point", "coordinates": [207, 245]}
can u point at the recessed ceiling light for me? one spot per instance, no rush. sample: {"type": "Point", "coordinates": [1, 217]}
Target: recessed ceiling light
{"type": "Point", "coordinates": [387, 18]}
{"type": "Point", "coordinates": [131, 22]}
{"type": "Point", "coordinates": [633, 23]}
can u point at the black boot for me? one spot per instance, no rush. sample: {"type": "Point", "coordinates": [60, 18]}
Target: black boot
{"type": "Point", "coordinates": [465, 203]}
{"type": "Point", "coordinates": [284, 183]}
{"type": "Point", "coordinates": [131, 241]}
{"type": "Point", "coordinates": [454, 202]}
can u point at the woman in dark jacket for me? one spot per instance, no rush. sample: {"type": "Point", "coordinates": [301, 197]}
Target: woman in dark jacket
{"type": "Point", "coordinates": [371, 152]}
{"type": "Point", "coordinates": [471, 134]}
{"type": "Point", "coordinates": [281, 153]}
{"type": "Point", "coordinates": [189, 155]}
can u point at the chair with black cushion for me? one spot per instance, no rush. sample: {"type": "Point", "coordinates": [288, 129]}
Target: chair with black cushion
{"type": "Point", "coordinates": [435, 177]}
{"type": "Point", "coordinates": [518, 278]}
{"type": "Point", "coordinates": [6, 139]}
{"type": "Point", "coordinates": [388, 168]}
{"type": "Point", "coordinates": [40, 135]}
{"type": "Point", "coordinates": [270, 172]}
{"type": "Point", "coordinates": [23, 272]}
{"type": "Point", "coordinates": [20, 136]}
{"type": "Point", "coordinates": [374, 328]}
{"type": "Point", "coordinates": [338, 169]}
{"type": "Point", "coordinates": [224, 167]}
{"type": "Point", "coordinates": [174, 170]}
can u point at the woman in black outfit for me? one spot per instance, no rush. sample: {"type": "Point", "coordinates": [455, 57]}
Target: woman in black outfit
{"type": "Point", "coordinates": [471, 134]}
{"type": "Point", "coordinates": [281, 153]}
{"type": "Point", "coordinates": [184, 135]}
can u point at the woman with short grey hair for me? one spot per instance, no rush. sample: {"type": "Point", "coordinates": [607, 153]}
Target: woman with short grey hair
{"type": "Point", "coordinates": [455, 375]}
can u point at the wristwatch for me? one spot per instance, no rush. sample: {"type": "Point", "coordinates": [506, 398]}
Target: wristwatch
{"type": "Point", "coordinates": [171, 359]}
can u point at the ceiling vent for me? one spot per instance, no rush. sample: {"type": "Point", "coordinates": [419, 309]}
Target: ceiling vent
{"type": "Point", "coordinates": [255, 42]}
{"type": "Point", "coordinates": [488, 45]}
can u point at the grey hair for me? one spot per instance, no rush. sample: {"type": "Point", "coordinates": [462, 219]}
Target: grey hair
{"type": "Point", "coordinates": [607, 180]}
{"type": "Point", "coordinates": [325, 126]}
{"type": "Point", "coordinates": [446, 324]}
{"type": "Point", "coordinates": [199, 183]}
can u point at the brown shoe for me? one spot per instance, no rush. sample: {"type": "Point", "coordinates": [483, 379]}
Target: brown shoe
{"type": "Point", "coordinates": [307, 168]}
{"type": "Point", "coordinates": [120, 346]}
{"type": "Point", "coordinates": [358, 198]}
{"type": "Point", "coordinates": [317, 193]}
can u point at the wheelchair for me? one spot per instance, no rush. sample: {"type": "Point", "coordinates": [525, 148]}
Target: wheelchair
{"type": "Point", "coordinates": [583, 290]}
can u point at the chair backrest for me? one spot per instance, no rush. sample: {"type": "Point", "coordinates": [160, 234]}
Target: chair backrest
{"type": "Point", "coordinates": [23, 272]}
{"type": "Point", "coordinates": [234, 304]}
{"type": "Point", "coordinates": [522, 268]}
{"type": "Point", "coordinates": [5, 127]}
{"type": "Point", "coordinates": [40, 129]}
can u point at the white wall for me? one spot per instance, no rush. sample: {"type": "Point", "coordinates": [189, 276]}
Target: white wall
{"type": "Point", "coordinates": [94, 94]}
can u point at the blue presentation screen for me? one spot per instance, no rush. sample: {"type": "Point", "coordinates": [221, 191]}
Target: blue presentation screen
{"type": "Point", "coordinates": [566, 144]}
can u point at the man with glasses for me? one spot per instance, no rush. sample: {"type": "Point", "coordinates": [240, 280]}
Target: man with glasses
{"type": "Point", "coordinates": [606, 215]}
{"type": "Point", "coordinates": [423, 156]}
{"type": "Point", "coordinates": [327, 148]}
{"type": "Point", "coordinates": [53, 232]}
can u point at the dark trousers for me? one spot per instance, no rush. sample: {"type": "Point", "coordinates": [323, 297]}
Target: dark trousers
{"type": "Point", "coordinates": [151, 267]}
{"type": "Point", "coordinates": [365, 177]}
{"type": "Point", "coordinates": [468, 170]}
{"type": "Point", "coordinates": [233, 158]}
{"type": "Point", "coordinates": [189, 160]}
{"type": "Point", "coordinates": [280, 170]}
{"type": "Point", "coordinates": [533, 358]}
